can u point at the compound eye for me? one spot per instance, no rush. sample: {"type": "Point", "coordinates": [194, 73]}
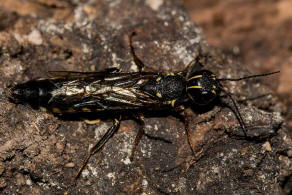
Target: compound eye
{"type": "Point", "coordinates": [202, 87]}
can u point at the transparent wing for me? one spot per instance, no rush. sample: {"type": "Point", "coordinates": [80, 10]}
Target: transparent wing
{"type": "Point", "coordinates": [71, 75]}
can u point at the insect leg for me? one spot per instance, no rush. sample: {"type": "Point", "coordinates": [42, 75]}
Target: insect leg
{"type": "Point", "coordinates": [188, 69]}
{"type": "Point", "coordinates": [185, 119]}
{"type": "Point", "coordinates": [237, 113]}
{"type": "Point", "coordinates": [137, 61]}
{"type": "Point", "coordinates": [99, 144]}
{"type": "Point", "coordinates": [138, 136]}
{"type": "Point", "coordinates": [188, 132]}
{"type": "Point", "coordinates": [193, 66]}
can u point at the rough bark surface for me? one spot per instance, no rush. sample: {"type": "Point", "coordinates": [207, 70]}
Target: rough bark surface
{"type": "Point", "coordinates": [40, 153]}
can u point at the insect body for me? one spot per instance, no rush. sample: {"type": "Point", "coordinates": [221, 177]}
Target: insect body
{"type": "Point", "coordinates": [114, 91]}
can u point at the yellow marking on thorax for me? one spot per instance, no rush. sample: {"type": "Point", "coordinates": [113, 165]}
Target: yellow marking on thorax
{"type": "Point", "coordinates": [56, 110]}
{"type": "Point", "coordinates": [195, 87]}
{"type": "Point", "coordinates": [171, 74]}
{"type": "Point", "coordinates": [172, 103]}
{"type": "Point", "coordinates": [158, 79]}
{"type": "Point", "coordinates": [213, 91]}
{"type": "Point", "coordinates": [158, 95]}
{"type": "Point", "coordinates": [214, 87]}
{"type": "Point", "coordinates": [195, 77]}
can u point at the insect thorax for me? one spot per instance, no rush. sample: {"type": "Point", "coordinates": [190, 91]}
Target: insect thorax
{"type": "Point", "coordinates": [166, 87]}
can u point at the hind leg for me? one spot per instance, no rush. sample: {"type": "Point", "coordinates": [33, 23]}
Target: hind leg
{"type": "Point", "coordinates": [99, 145]}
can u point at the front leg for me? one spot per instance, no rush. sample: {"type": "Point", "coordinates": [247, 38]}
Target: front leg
{"type": "Point", "coordinates": [193, 66]}
{"type": "Point", "coordinates": [187, 129]}
{"type": "Point", "coordinates": [185, 118]}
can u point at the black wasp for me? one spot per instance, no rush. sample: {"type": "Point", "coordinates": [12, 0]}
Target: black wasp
{"type": "Point", "coordinates": [114, 91]}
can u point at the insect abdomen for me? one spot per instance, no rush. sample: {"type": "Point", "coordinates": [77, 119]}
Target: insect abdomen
{"type": "Point", "coordinates": [34, 92]}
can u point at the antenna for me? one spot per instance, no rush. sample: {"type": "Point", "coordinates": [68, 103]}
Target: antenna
{"type": "Point", "coordinates": [237, 113]}
{"type": "Point", "coordinates": [248, 77]}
